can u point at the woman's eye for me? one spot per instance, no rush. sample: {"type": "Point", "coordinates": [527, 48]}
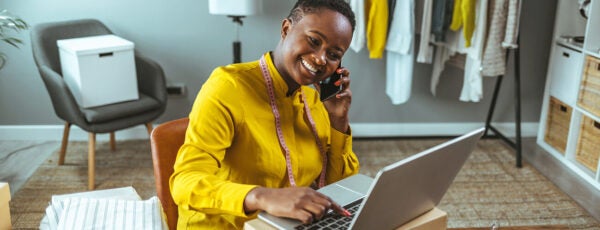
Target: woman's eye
{"type": "Point", "coordinates": [313, 41]}
{"type": "Point", "coordinates": [334, 56]}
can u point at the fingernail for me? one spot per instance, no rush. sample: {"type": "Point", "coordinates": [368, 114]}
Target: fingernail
{"type": "Point", "coordinates": [346, 213]}
{"type": "Point", "coordinates": [338, 83]}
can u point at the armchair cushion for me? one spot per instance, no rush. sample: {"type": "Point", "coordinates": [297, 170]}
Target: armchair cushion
{"type": "Point", "coordinates": [120, 110]}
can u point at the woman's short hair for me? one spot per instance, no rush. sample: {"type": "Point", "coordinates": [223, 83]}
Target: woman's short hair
{"type": "Point", "coordinates": [303, 7]}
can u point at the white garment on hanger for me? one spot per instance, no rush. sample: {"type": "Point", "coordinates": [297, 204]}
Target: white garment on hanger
{"type": "Point", "coordinates": [359, 37]}
{"type": "Point", "coordinates": [472, 89]}
{"type": "Point", "coordinates": [425, 54]}
{"type": "Point", "coordinates": [400, 57]}
{"type": "Point", "coordinates": [473, 83]}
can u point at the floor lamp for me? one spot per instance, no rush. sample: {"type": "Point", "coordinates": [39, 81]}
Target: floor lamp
{"type": "Point", "coordinates": [236, 10]}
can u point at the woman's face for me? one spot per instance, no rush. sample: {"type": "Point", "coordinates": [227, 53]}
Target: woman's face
{"type": "Point", "coordinates": [312, 48]}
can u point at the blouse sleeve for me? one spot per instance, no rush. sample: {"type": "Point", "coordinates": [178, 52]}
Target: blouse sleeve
{"type": "Point", "coordinates": [194, 185]}
{"type": "Point", "coordinates": [342, 162]}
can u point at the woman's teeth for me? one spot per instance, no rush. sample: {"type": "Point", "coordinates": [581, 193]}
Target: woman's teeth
{"type": "Point", "coordinates": [309, 66]}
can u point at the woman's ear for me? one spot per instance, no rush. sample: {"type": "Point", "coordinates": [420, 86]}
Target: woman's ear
{"type": "Point", "coordinates": [286, 24]}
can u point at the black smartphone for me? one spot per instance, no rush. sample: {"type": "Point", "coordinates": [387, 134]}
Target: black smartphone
{"type": "Point", "coordinates": [328, 87]}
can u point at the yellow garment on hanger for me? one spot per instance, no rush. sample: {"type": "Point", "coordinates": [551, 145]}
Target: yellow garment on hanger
{"type": "Point", "coordinates": [464, 15]}
{"type": "Point", "coordinates": [377, 25]}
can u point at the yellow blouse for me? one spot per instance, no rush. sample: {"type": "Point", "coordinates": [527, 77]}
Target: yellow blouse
{"type": "Point", "coordinates": [377, 26]}
{"type": "Point", "coordinates": [464, 15]}
{"type": "Point", "coordinates": [231, 146]}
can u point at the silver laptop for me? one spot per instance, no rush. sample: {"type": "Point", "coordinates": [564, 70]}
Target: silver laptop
{"type": "Point", "coordinates": [399, 193]}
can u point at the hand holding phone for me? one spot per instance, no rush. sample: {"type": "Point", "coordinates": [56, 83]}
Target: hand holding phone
{"type": "Point", "coordinates": [328, 87]}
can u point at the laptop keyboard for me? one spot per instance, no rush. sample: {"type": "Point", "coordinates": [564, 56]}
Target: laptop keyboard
{"type": "Point", "coordinates": [334, 220]}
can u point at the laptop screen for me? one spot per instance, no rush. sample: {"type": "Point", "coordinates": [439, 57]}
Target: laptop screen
{"type": "Point", "coordinates": [400, 191]}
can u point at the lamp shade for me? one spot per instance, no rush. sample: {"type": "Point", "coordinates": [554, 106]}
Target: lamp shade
{"type": "Point", "coordinates": [235, 7]}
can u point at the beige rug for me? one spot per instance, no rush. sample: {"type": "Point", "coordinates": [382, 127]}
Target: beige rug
{"type": "Point", "coordinates": [488, 189]}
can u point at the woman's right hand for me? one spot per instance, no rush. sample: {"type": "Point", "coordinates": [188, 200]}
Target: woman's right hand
{"type": "Point", "coordinates": [301, 203]}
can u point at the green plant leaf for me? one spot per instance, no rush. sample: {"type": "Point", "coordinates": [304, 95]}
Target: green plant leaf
{"type": "Point", "coordinates": [2, 60]}
{"type": "Point", "coordinates": [13, 41]}
{"type": "Point", "coordinates": [9, 22]}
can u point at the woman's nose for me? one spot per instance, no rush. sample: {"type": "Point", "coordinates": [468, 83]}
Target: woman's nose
{"type": "Point", "coordinates": [320, 58]}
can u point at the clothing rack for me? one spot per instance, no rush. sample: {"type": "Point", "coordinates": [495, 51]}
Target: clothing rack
{"type": "Point", "coordinates": [516, 144]}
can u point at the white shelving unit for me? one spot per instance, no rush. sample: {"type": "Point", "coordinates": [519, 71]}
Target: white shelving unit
{"type": "Point", "coordinates": [562, 114]}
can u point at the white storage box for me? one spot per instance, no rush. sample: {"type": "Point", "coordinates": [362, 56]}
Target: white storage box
{"type": "Point", "coordinates": [99, 70]}
{"type": "Point", "coordinates": [564, 71]}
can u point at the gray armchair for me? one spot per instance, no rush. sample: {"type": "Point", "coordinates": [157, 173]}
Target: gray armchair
{"type": "Point", "coordinates": [102, 119]}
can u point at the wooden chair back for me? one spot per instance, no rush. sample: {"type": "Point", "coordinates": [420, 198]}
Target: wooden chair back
{"type": "Point", "coordinates": [166, 139]}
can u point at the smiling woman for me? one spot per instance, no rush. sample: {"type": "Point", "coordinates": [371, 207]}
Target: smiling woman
{"type": "Point", "coordinates": [259, 137]}
{"type": "Point", "coordinates": [10, 23]}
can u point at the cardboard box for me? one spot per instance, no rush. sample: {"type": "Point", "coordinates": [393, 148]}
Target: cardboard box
{"type": "Point", "coordinates": [99, 70]}
{"type": "Point", "coordinates": [435, 219]}
{"type": "Point", "coordinates": [5, 222]}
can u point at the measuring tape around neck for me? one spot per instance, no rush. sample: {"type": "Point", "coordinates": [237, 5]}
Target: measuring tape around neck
{"type": "Point", "coordinates": [270, 88]}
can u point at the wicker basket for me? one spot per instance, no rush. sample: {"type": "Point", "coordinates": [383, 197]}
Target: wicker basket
{"type": "Point", "coordinates": [588, 144]}
{"type": "Point", "coordinates": [589, 91]}
{"type": "Point", "coordinates": [557, 124]}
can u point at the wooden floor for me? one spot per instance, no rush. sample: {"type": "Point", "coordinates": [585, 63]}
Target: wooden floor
{"type": "Point", "coordinates": [19, 159]}
{"type": "Point", "coordinates": [586, 195]}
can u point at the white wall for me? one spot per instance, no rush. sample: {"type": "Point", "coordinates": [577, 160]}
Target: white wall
{"type": "Point", "coordinates": [188, 43]}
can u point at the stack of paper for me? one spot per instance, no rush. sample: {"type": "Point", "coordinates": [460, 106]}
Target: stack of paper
{"type": "Point", "coordinates": [120, 208]}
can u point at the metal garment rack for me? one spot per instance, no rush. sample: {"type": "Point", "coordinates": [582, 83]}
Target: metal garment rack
{"type": "Point", "coordinates": [516, 144]}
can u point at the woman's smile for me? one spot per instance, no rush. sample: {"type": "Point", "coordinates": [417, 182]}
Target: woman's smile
{"type": "Point", "coordinates": [311, 69]}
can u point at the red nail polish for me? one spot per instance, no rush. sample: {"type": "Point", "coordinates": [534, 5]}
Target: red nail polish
{"type": "Point", "coordinates": [338, 83]}
{"type": "Point", "coordinates": [346, 213]}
